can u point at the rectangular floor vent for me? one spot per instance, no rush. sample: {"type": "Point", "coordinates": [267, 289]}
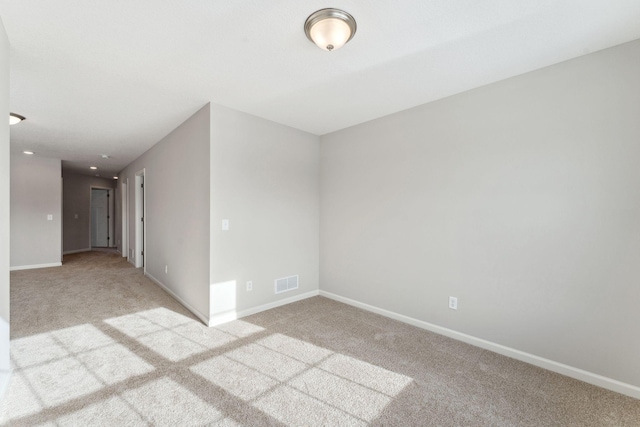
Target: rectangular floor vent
{"type": "Point", "coordinates": [286, 284]}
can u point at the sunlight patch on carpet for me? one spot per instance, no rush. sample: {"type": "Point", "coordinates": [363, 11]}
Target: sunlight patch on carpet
{"type": "Point", "coordinates": [61, 381]}
{"type": "Point", "coordinates": [266, 361]}
{"type": "Point", "coordinates": [169, 334]}
{"type": "Point", "coordinates": [366, 374]}
{"type": "Point", "coordinates": [300, 383]}
{"type": "Point", "coordinates": [22, 401]}
{"type": "Point", "coordinates": [293, 407]}
{"type": "Point", "coordinates": [349, 396]}
{"type": "Point", "coordinates": [298, 349]}
{"type": "Point", "coordinates": [114, 364]}
{"type": "Point", "coordinates": [57, 367]}
{"type": "Point", "coordinates": [164, 402]}
{"type": "Point", "coordinates": [235, 378]}
{"type": "Point", "coordinates": [239, 328]}
{"type": "Point", "coordinates": [112, 411]}
{"type": "Point", "coordinates": [35, 350]}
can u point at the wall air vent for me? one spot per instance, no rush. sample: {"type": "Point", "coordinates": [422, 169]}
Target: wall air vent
{"type": "Point", "coordinates": [286, 284]}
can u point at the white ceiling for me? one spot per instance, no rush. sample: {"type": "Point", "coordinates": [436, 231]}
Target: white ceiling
{"type": "Point", "coordinates": [114, 77]}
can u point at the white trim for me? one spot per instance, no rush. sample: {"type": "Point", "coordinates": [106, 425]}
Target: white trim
{"type": "Point", "coordinates": [76, 251]}
{"type": "Point", "coordinates": [124, 218]}
{"type": "Point", "coordinates": [31, 267]}
{"type": "Point", "coordinates": [570, 371]}
{"type": "Point", "coordinates": [141, 225]}
{"type": "Point", "coordinates": [179, 299]}
{"type": "Point", "coordinates": [5, 376]}
{"type": "Point", "coordinates": [233, 315]}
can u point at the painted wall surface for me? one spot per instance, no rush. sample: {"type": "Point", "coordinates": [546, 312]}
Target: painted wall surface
{"type": "Point", "coordinates": [520, 198]}
{"type": "Point", "coordinates": [4, 209]}
{"type": "Point", "coordinates": [76, 200]}
{"type": "Point", "coordinates": [265, 181]}
{"type": "Point", "coordinates": [36, 192]}
{"type": "Point", "coordinates": [177, 209]}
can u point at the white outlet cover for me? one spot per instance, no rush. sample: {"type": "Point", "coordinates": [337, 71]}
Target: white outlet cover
{"type": "Point", "coordinates": [453, 303]}
{"type": "Point", "coordinates": [249, 286]}
{"type": "Point", "coordinates": [225, 224]}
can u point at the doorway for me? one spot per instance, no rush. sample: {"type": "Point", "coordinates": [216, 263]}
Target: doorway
{"type": "Point", "coordinates": [140, 220]}
{"type": "Point", "coordinates": [125, 219]}
{"type": "Point", "coordinates": [101, 217]}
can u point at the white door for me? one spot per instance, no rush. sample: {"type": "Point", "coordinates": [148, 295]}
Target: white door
{"type": "Point", "coordinates": [99, 217]}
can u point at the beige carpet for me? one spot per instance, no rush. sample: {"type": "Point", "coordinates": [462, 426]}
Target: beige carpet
{"type": "Point", "coordinates": [96, 343]}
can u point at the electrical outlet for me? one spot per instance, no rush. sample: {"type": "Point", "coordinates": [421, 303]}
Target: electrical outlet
{"type": "Point", "coordinates": [249, 285]}
{"type": "Point", "coordinates": [225, 224]}
{"type": "Point", "coordinates": [453, 303]}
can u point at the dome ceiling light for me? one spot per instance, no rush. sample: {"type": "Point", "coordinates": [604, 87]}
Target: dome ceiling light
{"type": "Point", "coordinates": [330, 28]}
{"type": "Point", "coordinates": [14, 118]}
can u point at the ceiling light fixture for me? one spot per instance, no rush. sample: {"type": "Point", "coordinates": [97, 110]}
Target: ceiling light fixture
{"type": "Point", "coordinates": [115, 177]}
{"type": "Point", "coordinates": [330, 28]}
{"type": "Point", "coordinates": [14, 118]}
{"type": "Point", "coordinates": [104, 156]}
{"type": "Point", "coordinates": [29, 152]}
{"type": "Point", "coordinates": [93, 167]}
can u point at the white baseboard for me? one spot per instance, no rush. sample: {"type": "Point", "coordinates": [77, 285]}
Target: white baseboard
{"type": "Point", "coordinates": [31, 267]}
{"type": "Point", "coordinates": [570, 371]}
{"type": "Point", "coordinates": [5, 376]}
{"type": "Point", "coordinates": [76, 251]}
{"type": "Point", "coordinates": [188, 306]}
{"type": "Point", "coordinates": [233, 315]}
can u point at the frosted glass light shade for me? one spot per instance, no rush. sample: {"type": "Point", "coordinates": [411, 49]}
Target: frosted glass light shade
{"type": "Point", "coordinates": [14, 119]}
{"type": "Point", "coordinates": [330, 29]}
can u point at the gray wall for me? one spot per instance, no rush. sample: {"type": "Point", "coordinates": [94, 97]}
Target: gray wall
{"type": "Point", "coordinates": [4, 208]}
{"type": "Point", "coordinates": [36, 191]}
{"type": "Point", "coordinates": [520, 198]}
{"type": "Point", "coordinates": [76, 199]}
{"type": "Point", "coordinates": [177, 210]}
{"type": "Point", "coordinates": [265, 181]}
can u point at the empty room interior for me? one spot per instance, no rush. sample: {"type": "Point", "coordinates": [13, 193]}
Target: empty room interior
{"type": "Point", "coordinates": [305, 213]}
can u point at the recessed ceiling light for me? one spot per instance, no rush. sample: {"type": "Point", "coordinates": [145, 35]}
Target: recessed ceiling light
{"type": "Point", "coordinates": [14, 118]}
{"type": "Point", "coordinates": [29, 152]}
{"type": "Point", "coordinates": [115, 177]}
{"type": "Point", "coordinates": [93, 167]}
{"type": "Point", "coordinates": [330, 28]}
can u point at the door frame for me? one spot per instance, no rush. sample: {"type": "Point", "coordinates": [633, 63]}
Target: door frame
{"type": "Point", "coordinates": [110, 213]}
{"type": "Point", "coordinates": [124, 196]}
{"type": "Point", "coordinates": [140, 220]}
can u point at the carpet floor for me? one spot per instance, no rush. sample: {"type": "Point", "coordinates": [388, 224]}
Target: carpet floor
{"type": "Point", "coordinates": [94, 342]}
